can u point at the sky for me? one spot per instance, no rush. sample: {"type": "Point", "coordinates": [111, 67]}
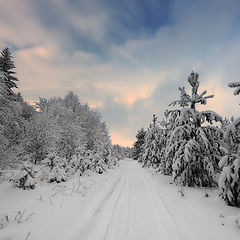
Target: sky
{"type": "Point", "coordinates": [126, 58]}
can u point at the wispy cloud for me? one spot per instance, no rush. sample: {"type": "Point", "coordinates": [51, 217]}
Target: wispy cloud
{"type": "Point", "coordinates": [124, 57]}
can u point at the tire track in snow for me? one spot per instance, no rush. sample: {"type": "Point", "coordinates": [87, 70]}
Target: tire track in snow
{"type": "Point", "coordinates": [115, 211]}
{"type": "Point", "coordinates": [131, 209]}
{"type": "Point", "coordinates": [166, 215]}
{"type": "Point", "coordinates": [93, 218]}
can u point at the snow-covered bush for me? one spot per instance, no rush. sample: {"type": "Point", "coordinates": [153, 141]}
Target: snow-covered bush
{"type": "Point", "coordinates": [112, 161]}
{"type": "Point", "coordinates": [95, 161]}
{"type": "Point", "coordinates": [24, 178]}
{"type": "Point", "coordinates": [99, 165]}
{"type": "Point", "coordinates": [56, 167]}
{"type": "Point", "coordinates": [81, 161]}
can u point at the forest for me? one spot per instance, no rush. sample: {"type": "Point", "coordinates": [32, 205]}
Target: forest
{"type": "Point", "coordinates": [51, 139]}
{"type": "Point", "coordinates": [196, 148]}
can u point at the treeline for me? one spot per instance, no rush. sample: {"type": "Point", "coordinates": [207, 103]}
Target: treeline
{"type": "Point", "coordinates": [197, 148]}
{"type": "Point", "coordinates": [57, 128]}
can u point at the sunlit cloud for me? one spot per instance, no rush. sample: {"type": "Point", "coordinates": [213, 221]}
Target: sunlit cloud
{"type": "Point", "coordinates": [121, 60]}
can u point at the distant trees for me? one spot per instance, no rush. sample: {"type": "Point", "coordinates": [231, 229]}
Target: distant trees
{"type": "Point", "coordinates": [121, 152]}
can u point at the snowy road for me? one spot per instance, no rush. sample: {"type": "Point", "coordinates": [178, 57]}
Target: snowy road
{"type": "Point", "coordinates": [131, 209]}
{"type": "Point", "coordinates": [127, 203]}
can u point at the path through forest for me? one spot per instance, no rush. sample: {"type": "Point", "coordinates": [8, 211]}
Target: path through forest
{"type": "Point", "coordinates": [125, 203]}
{"type": "Point", "coordinates": [132, 209]}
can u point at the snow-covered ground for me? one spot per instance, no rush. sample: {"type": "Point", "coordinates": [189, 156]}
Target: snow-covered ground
{"type": "Point", "coordinates": [128, 202]}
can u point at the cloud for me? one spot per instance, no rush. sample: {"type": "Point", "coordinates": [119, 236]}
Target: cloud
{"type": "Point", "coordinates": [125, 58]}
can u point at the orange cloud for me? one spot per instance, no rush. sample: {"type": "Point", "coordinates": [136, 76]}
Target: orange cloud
{"type": "Point", "coordinates": [39, 51]}
{"type": "Point", "coordinates": [129, 95]}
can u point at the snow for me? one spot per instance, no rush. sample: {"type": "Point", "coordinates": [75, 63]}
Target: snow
{"type": "Point", "coordinates": [223, 161]}
{"type": "Point", "coordinates": [128, 202]}
{"type": "Point", "coordinates": [235, 85]}
{"type": "Point", "coordinates": [231, 128]}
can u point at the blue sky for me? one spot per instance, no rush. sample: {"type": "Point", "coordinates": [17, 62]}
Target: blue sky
{"type": "Point", "coordinates": [126, 58]}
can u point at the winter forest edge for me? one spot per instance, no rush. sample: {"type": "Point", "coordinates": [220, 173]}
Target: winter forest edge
{"type": "Point", "coordinates": [197, 148]}
{"type": "Point", "coordinates": [58, 138]}
{"type": "Point", "coordinates": [52, 139]}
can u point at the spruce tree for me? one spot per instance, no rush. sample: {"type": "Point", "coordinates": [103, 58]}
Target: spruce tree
{"type": "Point", "coordinates": [7, 65]}
{"type": "Point", "coordinates": [165, 166]}
{"type": "Point", "coordinates": [151, 150]}
{"type": "Point", "coordinates": [190, 143]}
{"type": "Point", "coordinates": [229, 181]}
{"type": "Point", "coordinates": [138, 145]}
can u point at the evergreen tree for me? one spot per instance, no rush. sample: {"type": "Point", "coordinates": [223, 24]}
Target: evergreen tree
{"type": "Point", "coordinates": [11, 122]}
{"type": "Point", "coordinates": [151, 150]}
{"type": "Point", "coordinates": [190, 144]}
{"type": "Point", "coordinates": [138, 145]}
{"type": "Point", "coordinates": [7, 65]}
{"type": "Point", "coordinates": [165, 166]}
{"type": "Point", "coordinates": [229, 181]}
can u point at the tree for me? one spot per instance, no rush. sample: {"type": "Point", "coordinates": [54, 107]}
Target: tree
{"type": "Point", "coordinates": [40, 137]}
{"type": "Point", "coordinates": [165, 166]}
{"type": "Point", "coordinates": [11, 122]}
{"type": "Point", "coordinates": [138, 145]}
{"type": "Point", "coordinates": [27, 111]}
{"type": "Point", "coordinates": [7, 65]}
{"type": "Point", "coordinates": [190, 143]}
{"type": "Point", "coordinates": [151, 150]}
{"type": "Point", "coordinates": [229, 181]}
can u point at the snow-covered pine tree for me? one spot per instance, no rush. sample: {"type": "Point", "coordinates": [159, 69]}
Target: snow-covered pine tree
{"type": "Point", "coordinates": [11, 122]}
{"type": "Point", "coordinates": [7, 65]}
{"type": "Point", "coordinates": [98, 163]}
{"type": "Point", "coordinates": [138, 145]}
{"type": "Point", "coordinates": [229, 181]}
{"type": "Point", "coordinates": [190, 142]}
{"type": "Point", "coordinates": [165, 166]}
{"type": "Point", "coordinates": [151, 150]}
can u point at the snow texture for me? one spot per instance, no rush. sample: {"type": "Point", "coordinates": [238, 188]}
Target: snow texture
{"type": "Point", "coordinates": [128, 202]}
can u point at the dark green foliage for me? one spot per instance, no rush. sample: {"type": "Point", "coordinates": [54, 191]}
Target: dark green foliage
{"type": "Point", "coordinates": [138, 145]}
{"type": "Point", "coordinates": [7, 65]}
